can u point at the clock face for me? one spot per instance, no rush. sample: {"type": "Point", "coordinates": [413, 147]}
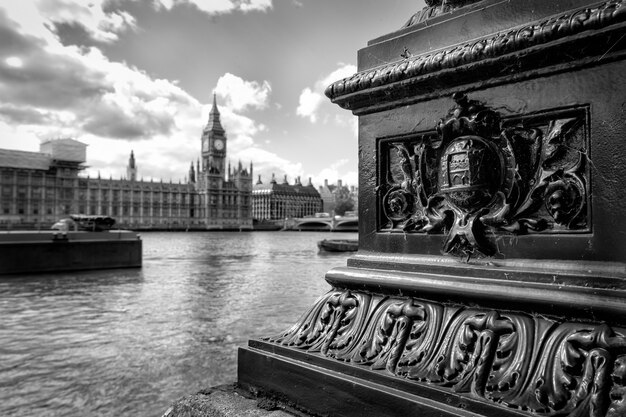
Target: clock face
{"type": "Point", "coordinates": [218, 144]}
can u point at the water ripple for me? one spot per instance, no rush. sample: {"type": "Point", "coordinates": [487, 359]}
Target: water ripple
{"type": "Point", "coordinates": [129, 342]}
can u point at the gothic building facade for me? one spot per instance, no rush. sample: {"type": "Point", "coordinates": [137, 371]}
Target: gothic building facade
{"type": "Point", "coordinates": [39, 188]}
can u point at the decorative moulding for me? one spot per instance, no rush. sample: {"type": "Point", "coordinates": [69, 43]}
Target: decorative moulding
{"type": "Point", "coordinates": [535, 365]}
{"type": "Point", "coordinates": [586, 36]}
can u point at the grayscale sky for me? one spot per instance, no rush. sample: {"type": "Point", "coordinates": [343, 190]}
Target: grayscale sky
{"type": "Point", "coordinates": [124, 75]}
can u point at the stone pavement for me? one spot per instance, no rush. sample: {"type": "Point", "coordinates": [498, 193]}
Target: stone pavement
{"type": "Point", "coordinates": [225, 401]}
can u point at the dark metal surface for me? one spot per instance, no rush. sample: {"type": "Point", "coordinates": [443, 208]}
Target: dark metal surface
{"type": "Point", "coordinates": [491, 272]}
{"type": "Point", "coordinates": [599, 90]}
{"type": "Point", "coordinates": [515, 360]}
{"type": "Point", "coordinates": [320, 386]}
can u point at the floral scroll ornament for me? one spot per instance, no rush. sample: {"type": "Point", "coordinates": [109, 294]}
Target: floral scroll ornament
{"type": "Point", "coordinates": [478, 177]}
{"type": "Point", "coordinates": [529, 364]}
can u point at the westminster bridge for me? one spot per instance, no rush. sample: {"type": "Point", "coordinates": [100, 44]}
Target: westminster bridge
{"type": "Point", "coordinates": [331, 224]}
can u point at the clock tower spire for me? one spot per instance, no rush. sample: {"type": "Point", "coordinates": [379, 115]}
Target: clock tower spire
{"type": "Point", "coordinates": [214, 143]}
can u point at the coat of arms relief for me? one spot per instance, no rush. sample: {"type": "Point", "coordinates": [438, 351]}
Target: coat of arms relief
{"type": "Point", "coordinates": [479, 175]}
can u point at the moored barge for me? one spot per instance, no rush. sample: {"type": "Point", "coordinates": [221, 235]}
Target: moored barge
{"type": "Point", "coordinates": [68, 249]}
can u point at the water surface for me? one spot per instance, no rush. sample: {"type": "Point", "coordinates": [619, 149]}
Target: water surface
{"type": "Point", "coordinates": [130, 341]}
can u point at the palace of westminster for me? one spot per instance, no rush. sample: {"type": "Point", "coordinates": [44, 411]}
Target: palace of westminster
{"type": "Point", "coordinates": [39, 188]}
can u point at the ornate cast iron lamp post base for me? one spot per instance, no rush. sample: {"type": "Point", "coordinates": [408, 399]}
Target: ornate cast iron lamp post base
{"type": "Point", "coordinates": [491, 273]}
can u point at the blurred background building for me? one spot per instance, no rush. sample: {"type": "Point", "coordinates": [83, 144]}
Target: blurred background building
{"type": "Point", "coordinates": [273, 201]}
{"type": "Point", "coordinates": [339, 198]}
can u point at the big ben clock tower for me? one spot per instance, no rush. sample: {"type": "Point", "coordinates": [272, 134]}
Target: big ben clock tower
{"type": "Point", "coordinates": [224, 199]}
{"type": "Point", "coordinates": [214, 144]}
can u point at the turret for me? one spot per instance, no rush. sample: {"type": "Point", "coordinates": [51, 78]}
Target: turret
{"type": "Point", "coordinates": [131, 169]}
{"type": "Point", "coordinates": [192, 174]}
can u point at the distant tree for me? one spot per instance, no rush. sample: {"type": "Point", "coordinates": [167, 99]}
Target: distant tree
{"type": "Point", "coordinates": [343, 205]}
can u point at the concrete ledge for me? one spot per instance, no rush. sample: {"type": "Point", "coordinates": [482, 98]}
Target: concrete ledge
{"type": "Point", "coordinates": [225, 401]}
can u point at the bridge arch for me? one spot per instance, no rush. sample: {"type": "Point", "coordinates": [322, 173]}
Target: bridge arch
{"type": "Point", "coordinates": [348, 225]}
{"type": "Point", "coordinates": [313, 224]}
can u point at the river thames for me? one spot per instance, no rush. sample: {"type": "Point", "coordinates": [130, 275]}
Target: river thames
{"type": "Point", "coordinates": [131, 341]}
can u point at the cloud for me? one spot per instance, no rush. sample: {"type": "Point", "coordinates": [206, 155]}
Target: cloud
{"type": "Point", "coordinates": [214, 7]}
{"type": "Point", "coordinates": [308, 104]}
{"type": "Point", "coordinates": [333, 173]}
{"type": "Point", "coordinates": [242, 95]}
{"type": "Point", "coordinates": [267, 163]}
{"type": "Point", "coordinates": [158, 158]}
{"type": "Point", "coordinates": [107, 98]}
{"type": "Point", "coordinates": [63, 90]}
{"type": "Point", "coordinates": [312, 99]}
{"type": "Point", "coordinates": [22, 115]}
{"type": "Point", "coordinates": [100, 25]}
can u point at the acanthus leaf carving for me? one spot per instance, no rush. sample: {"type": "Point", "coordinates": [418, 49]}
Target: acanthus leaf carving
{"type": "Point", "coordinates": [536, 365]}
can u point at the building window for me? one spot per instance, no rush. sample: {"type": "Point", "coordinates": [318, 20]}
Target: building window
{"type": "Point", "coordinates": [7, 176]}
